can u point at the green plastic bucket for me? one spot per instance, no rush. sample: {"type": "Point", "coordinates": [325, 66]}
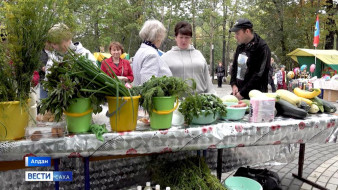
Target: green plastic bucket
{"type": "Point", "coordinates": [161, 117]}
{"type": "Point", "coordinates": [242, 183]}
{"type": "Point", "coordinates": [79, 116]}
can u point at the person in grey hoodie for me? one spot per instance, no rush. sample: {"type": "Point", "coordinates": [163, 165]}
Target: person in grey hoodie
{"type": "Point", "coordinates": [147, 62]}
{"type": "Point", "coordinates": [186, 62]}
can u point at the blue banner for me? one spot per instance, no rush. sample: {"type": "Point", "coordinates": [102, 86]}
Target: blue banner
{"type": "Point", "coordinates": [37, 161]}
{"type": "Point", "coordinates": [48, 176]}
{"type": "Point", "coordinates": [62, 176]}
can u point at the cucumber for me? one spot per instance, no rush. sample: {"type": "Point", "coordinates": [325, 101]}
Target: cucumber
{"type": "Point", "coordinates": [287, 109]}
{"type": "Point", "coordinates": [329, 107]}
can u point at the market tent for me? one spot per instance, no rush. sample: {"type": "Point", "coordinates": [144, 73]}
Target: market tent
{"type": "Point", "coordinates": [307, 57]}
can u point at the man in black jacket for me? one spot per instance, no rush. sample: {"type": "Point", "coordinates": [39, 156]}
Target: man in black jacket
{"type": "Point", "coordinates": [220, 74]}
{"type": "Point", "coordinates": [250, 68]}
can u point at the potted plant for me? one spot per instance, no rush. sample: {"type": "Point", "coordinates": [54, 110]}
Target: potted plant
{"type": "Point", "coordinates": [77, 77]}
{"type": "Point", "coordinates": [25, 23]}
{"type": "Point", "coordinates": [158, 96]}
{"type": "Point", "coordinates": [66, 83]}
{"type": "Point", "coordinates": [202, 109]}
{"type": "Point", "coordinates": [123, 99]}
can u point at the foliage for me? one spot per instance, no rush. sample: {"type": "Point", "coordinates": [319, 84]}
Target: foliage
{"type": "Point", "coordinates": [8, 83]}
{"type": "Point", "coordinates": [26, 23]}
{"type": "Point", "coordinates": [163, 86]}
{"type": "Point", "coordinates": [286, 25]}
{"type": "Point", "coordinates": [65, 82]}
{"type": "Point", "coordinates": [77, 77]}
{"type": "Point", "coordinates": [190, 173]}
{"type": "Point", "coordinates": [192, 106]}
{"type": "Point", "coordinates": [98, 81]}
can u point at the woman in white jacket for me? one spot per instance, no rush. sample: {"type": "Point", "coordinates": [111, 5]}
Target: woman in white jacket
{"type": "Point", "coordinates": [147, 61]}
{"type": "Point", "coordinates": [186, 62]}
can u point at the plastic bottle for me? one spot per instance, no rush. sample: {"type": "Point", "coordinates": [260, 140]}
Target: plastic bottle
{"type": "Point", "coordinates": [139, 187]}
{"type": "Point", "coordinates": [157, 187]}
{"type": "Point", "coordinates": [167, 188]}
{"type": "Point", "coordinates": [147, 187]}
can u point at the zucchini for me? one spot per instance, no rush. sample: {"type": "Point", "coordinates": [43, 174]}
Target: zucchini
{"type": "Point", "coordinates": [314, 108]}
{"type": "Point", "coordinates": [329, 107]}
{"type": "Point", "coordinates": [319, 103]}
{"type": "Point", "coordinates": [309, 102]}
{"type": "Point", "coordinates": [287, 109]}
{"type": "Point", "coordinates": [307, 94]}
{"type": "Point", "coordinates": [288, 96]}
{"type": "Point", "coordinates": [303, 105]}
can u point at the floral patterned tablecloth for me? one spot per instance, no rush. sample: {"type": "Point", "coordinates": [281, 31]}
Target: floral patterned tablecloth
{"type": "Point", "coordinates": [319, 128]}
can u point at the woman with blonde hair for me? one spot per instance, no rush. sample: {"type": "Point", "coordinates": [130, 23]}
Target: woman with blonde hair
{"type": "Point", "coordinates": [59, 40]}
{"type": "Point", "coordinates": [147, 61]}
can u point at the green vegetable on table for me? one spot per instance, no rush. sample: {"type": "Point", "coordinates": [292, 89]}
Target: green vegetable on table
{"type": "Point", "coordinates": [329, 107]}
{"type": "Point", "coordinates": [98, 130]}
{"type": "Point", "coordinates": [193, 105]}
{"type": "Point", "coordinates": [319, 103]}
{"type": "Point", "coordinates": [287, 109]}
{"type": "Point", "coordinates": [164, 86]}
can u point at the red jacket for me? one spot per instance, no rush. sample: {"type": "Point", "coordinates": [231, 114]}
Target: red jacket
{"type": "Point", "coordinates": [123, 69]}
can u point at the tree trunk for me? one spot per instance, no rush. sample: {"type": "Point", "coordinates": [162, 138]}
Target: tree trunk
{"type": "Point", "coordinates": [225, 10]}
{"type": "Point", "coordinates": [280, 11]}
{"type": "Point", "coordinates": [212, 40]}
{"type": "Point", "coordinates": [97, 32]}
{"type": "Point", "coordinates": [228, 48]}
{"type": "Point", "coordinates": [193, 11]}
{"type": "Point", "coordinates": [330, 25]}
{"type": "Point", "coordinates": [165, 43]}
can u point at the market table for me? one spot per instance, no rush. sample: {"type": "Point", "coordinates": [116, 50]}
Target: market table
{"type": "Point", "coordinates": [320, 128]}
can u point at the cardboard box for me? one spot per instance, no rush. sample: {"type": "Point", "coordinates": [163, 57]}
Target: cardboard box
{"type": "Point", "coordinates": [330, 95]}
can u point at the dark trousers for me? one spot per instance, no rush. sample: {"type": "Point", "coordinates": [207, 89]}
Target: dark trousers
{"type": "Point", "coordinates": [272, 84]}
{"type": "Point", "coordinates": [219, 79]}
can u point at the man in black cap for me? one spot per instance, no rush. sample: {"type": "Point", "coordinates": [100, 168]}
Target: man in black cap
{"type": "Point", "coordinates": [250, 68]}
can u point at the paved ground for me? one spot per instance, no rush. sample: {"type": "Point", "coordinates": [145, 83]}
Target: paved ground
{"type": "Point", "coordinates": [321, 163]}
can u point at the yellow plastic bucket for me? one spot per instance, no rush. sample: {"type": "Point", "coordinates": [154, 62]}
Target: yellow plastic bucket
{"type": "Point", "coordinates": [123, 117]}
{"type": "Point", "coordinates": [13, 120]}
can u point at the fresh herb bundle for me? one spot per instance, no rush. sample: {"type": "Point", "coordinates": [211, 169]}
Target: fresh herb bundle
{"type": "Point", "coordinates": [104, 84]}
{"type": "Point", "coordinates": [77, 77]}
{"type": "Point", "coordinates": [65, 82]}
{"type": "Point", "coordinates": [193, 106]}
{"type": "Point", "coordinates": [190, 173]}
{"type": "Point", "coordinates": [163, 86]}
{"type": "Point", "coordinates": [8, 85]}
{"type": "Point", "coordinates": [26, 23]}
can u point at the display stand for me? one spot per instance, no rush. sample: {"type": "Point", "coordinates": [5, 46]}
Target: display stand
{"type": "Point", "coordinates": [300, 169]}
